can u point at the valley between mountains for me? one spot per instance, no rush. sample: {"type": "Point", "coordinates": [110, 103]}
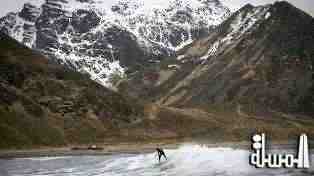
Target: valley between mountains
{"type": "Point", "coordinates": [80, 72]}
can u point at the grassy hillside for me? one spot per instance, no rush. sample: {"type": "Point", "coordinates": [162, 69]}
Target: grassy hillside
{"type": "Point", "coordinates": [42, 103]}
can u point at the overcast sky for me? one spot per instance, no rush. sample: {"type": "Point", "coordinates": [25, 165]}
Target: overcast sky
{"type": "Point", "coordinates": [307, 5]}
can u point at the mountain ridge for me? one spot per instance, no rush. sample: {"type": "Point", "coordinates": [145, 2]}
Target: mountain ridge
{"type": "Point", "coordinates": [90, 37]}
{"type": "Point", "coordinates": [252, 74]}
{"type": "Point", "coordinates": [259, 56]}
{"type": "Point", "coordinates": [44, 104]}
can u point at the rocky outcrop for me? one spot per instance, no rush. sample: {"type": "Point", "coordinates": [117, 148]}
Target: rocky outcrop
{"type": "Point", "coordinates": [30, 12]}
{"type": "Point", "coordinates": [84, 20]}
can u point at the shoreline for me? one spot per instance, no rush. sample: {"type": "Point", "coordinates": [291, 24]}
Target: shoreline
{"type": "Point", "coordinates": [130, 148]}
{"type": "Point", "coordinates": [107, 149]}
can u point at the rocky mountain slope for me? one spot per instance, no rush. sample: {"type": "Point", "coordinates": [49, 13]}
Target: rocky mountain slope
{"type": "Point", "coordinates": [261, 57]}
{"type": "Point", "coordinates": [199, 75]}
{"type": "Point", "coordinates": [104, 39]}
{"type": "Point", "coordinates": [42, 103]}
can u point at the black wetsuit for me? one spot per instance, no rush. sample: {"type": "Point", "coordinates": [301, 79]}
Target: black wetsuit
{"type": "Point", "coordinates": [160, 153]}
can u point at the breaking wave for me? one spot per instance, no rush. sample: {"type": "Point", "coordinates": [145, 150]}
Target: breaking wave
{"type": "Point", "coordinates": [187, 160]}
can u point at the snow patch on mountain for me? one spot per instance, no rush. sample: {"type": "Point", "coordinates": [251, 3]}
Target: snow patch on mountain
{"type": "Point", "coordinates": [84, 34]}
{"type": "Point", "coordinates": [99, 69]}
{"type": "Point", "coordinates": [241, 25]}
{"type": "Point", "coordinates": [212, 50]}
{"type": "Point", "coordinates": [21, 26]}
{"type": "Point", "coordinates": [156, 22]}
{"type": "Point", "coordinates": [268, 14]}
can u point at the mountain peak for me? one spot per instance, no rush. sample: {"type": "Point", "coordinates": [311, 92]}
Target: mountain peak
{"type": "Point", "coordinates": [248, 6]}
{"type": "Point", "coordinates": [262, 54]}
{"type": "Point", "coordinates": [285, 9]}
{"type": "Point", "coordinates": [282, 3]}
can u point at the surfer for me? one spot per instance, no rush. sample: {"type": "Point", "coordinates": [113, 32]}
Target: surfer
{"type": "Point", "coordinates": [161, 153]}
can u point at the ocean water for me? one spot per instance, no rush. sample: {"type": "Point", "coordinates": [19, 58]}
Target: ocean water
{"type": "Point", "coordinates": [187, 160]}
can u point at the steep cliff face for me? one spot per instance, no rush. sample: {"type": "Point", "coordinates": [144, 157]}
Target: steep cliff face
{"type": "Point", "coordinates": [104, 39]}
{"type": "Point", "coordinates": [260, 55]}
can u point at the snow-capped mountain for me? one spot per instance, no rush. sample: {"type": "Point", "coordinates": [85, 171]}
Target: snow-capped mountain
{"type": "Point", "coordinates": [100, 38]}
{"type": "Point", "coordinates": [242, 23]}
{"type": "Point", "coordinates": [261, 57]}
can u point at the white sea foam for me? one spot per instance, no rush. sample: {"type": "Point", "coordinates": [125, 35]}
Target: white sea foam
{"type": "Point", "coordinates": [187, 160]}
{"type": "Point", "coordinates": [43, 158]}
